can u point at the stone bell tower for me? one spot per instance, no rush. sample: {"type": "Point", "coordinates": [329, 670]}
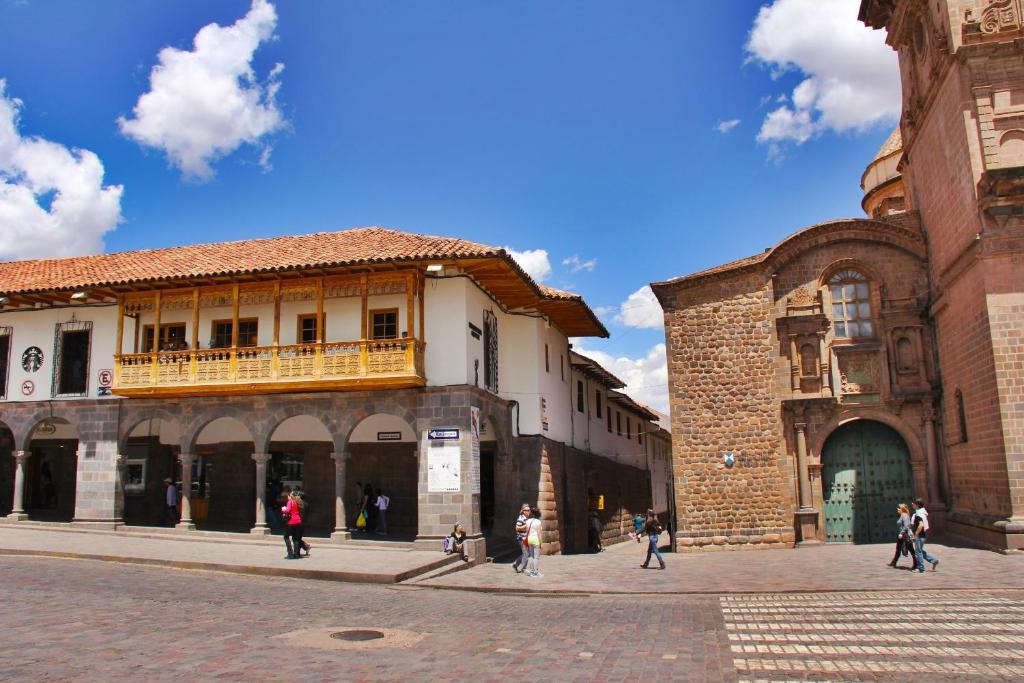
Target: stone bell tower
{"type": "Point", "coordinates": [962, 68]}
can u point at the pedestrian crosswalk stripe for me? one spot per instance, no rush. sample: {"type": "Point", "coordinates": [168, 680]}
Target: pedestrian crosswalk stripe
{"type": "Point", "coordinates": [919, 637]}
{"type": "Point", "coordinates": [856, 666]}
{"type": "Point", "coordinates": [877, 626]}
{"type": "Point", "coordinates": [930, 651]}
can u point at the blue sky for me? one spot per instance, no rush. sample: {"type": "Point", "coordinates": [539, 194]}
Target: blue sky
{"type": "Point", "coordinates": [597, 130]}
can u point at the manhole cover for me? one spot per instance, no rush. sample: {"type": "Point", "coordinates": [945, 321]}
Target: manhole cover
{"type": "Point", "coordinates": [357, 635]}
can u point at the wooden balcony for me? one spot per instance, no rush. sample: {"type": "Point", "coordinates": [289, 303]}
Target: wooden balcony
{"type": "Point", "coordinates": [326, 366]}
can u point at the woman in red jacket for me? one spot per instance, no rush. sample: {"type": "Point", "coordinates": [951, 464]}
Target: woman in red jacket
{"type": "Point", "coordinates": [292, 511]}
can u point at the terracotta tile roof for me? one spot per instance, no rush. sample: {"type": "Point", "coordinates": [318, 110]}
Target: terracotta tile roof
{"type": "Point", "coordinates": [353, 247]}
{"type": "Point", "coordinates": [317, 250]}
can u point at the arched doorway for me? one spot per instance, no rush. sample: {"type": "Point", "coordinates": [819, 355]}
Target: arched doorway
{"type": "Point", "coordinates": [223, 477]}
{"type": "Point", "coordinates": [300, 450]}
{"type": "Point", "coordinates": [383, 454]}
{"type": "Point", "coordinates": [151, 456]}
{"type": "Point", "coordinates": [51, 471]}
{"type": "Point", "coordinates": [6, 470]}
{"type": "Point", "coordinates": [866, 473]}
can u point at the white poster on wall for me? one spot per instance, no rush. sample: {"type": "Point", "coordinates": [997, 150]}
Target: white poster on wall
{"type": "Point", "coordinates": [444, 469]}
{"type": "Point", "coordinates": [474, 449]}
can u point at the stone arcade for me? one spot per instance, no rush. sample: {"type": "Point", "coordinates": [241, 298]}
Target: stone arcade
{"type": "Point", "coordinates": [316, 361]}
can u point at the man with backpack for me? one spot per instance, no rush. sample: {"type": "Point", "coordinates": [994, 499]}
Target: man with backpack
{"type": "Point", "coordinates": [919, 522]}
{"type": "Point", "coordinates": [652, 527]}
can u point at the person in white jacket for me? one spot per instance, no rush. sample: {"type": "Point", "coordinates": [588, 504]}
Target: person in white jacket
{"type": "Point", "coordinates": [920, 524]}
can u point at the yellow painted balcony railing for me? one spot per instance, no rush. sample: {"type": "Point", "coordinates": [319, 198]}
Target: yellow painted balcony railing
{"type": "Point", "coordinates": [392, 363]}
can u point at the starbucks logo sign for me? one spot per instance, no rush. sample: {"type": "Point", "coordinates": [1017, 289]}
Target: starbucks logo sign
{"type": "Point", "coordinates": [32, 359]}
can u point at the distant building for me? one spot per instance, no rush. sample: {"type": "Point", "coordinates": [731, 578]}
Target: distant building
{"type": "Point", "coordinates": [864, 362]}
{"type": "Point", "coordinates": [431, 367]}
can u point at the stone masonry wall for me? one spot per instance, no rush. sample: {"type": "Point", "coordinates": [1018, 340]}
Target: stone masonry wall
{"type": "Point", "coordinates": [721, 356]}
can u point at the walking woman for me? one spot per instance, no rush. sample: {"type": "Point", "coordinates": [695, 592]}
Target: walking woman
{"type": "Point", "coordinates": [652, 527]}
{"type": "Point", "coordinates": [533, 527]}
{"type": "Point", "coordinates": [904, 536]}
{"type": "Point", "coordinates": [292, 512]}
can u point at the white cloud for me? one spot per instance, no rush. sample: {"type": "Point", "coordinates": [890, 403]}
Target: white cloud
{"type": "Point", "coordinates": [577, 264]}
{"type": "Point", "coordinates": [851, 77]}
{"type": "Point", "coordinates": [641, 310]}
{"type": "Point", "coordinates": [204, 104]}
{"type": "Point", "coordinates": [646, 377]}
{"type": "Point", "coordinates": [52, 200]}
{"type": "Point", "coordinates": [533, 261]}
{"type": "Point", "coordinates": [726, 126]}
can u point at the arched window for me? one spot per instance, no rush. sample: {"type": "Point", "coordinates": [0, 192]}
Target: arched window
{"type": "Point", "coordinates": [851, 304]}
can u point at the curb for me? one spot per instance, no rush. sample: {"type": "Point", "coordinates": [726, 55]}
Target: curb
{"type": "Point", "coordinates": [249, 570]}
{"type": "Point", "coordinates": [559, 592]}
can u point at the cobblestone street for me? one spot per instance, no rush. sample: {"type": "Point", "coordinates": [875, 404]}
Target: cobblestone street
{"type": "Point", "coordinates": [88, 620]}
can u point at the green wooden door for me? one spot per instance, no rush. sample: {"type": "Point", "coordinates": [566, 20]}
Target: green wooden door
{"type": "Point", "coordinates": [866, 474]}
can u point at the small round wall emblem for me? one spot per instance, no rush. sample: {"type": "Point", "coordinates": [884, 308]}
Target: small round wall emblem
{"type": "Point", "coordinates": [32, 359]}
{"type": "Point", "coordinates": [28, 387]}
{"type": "Point", "coordinates": [106, 378]}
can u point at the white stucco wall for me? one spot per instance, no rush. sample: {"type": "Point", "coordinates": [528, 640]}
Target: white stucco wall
{"type": "Point", "coordinates": [37, 328]}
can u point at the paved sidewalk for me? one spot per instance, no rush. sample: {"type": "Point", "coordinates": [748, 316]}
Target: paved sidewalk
{"type": "Point", "coordinates": [245, 556]}
{"type": "Point", "coordinates": [815, 568]}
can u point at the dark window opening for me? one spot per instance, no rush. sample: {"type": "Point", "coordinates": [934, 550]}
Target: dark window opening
{"type": "Point", "coordinates": [618, 423]}
{"type": "Point", "coordinates": [547, 362]}
{"type": "Point", "coordinates": [629, 429]}
{"type": "Point", "coordinates": [580, 401]}
{"type": "Point", "coordinates": [491, 351]}
{"type": "Point", "coordinates": [608, 414]}
{"type": "Point", "coordinates": [172, 338]}
{"type": "Point", "coordinates": [5, 358]}
{"type": "Point", "coordinates": [307, 328]}
{"type": "Point", "coordinates": [597, 403]}
{"type": "Point", "coordinates": [961, 414]}
{"type": "Point", "coordinates": [73, 373]}
{"type": "Point", "coordinates": [385, 324]}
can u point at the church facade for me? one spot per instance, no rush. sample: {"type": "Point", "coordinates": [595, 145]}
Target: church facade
{"type": "Point", "coordinates": [865, 362]}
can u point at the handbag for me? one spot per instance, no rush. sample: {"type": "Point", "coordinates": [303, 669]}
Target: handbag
{"type": "Point", "coordinates": [361, 520]}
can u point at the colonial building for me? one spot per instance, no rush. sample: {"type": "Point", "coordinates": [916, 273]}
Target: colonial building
{"type": "Point", "coordinates": [864, 362]}
{"type": "Point", "coordinates": [434, 368]}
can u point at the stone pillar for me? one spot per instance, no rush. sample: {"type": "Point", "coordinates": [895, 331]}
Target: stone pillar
{"type": "Point", "coordinates": [806, 516]}
{"type": "Point", "coordinates": [801, 463]}
{"type": "Point", "coordinates": [826, 370]}
{"type": "Point", "coordinates": [261, 528]}
{"type": "Point", "coordinates": [18, 502]}
{"type": "Point", "coordinates": [186, 489]}
{"type": "Point", "coordinates": [121, 468]}
{"type": "Point", "coordinates": [934, 501]}
{"type": "Point", "coordinates": [341, 532]}
{"type": "Point", "coordinates": [794, 363]}
{"type": "Point", "coordinates": [551, 543]}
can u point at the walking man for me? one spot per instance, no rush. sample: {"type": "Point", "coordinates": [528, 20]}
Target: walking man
{"type": "Point", "coordinates": [920, 524]}
{"type": "Point", "coordinates": [652, 527]}
{"type": "Point", "coordinates": [524, 550]}
{"type": "Point", "coordinates": [171, 503]}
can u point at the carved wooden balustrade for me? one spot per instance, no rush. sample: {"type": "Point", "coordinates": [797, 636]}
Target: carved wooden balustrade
{"type": "Point", "coordinates": [295, 367]}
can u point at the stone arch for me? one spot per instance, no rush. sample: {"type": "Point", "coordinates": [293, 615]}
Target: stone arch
{"type": "Point", "coordinates": [264, 439]}
{"type": "Point", "coordinates": [910, 437]}
{"type": "Point", "coordinates": [130, 425]}
{"type": "Point", "coordinates": [23, 436]}
{"type": "Point", "coordinates": [848, 264]}
{"type": "Point", "coordinates": [354, 418]}
{"type": "Point", "coordinates": [190, 435]}
{"type": "Point", "coordinates": [326, 418]}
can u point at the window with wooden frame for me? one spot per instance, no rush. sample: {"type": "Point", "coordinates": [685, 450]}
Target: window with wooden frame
{"type": "Point", "coordinates": [629, 429]}
{"type": "Point", "coordinates": [851, 305]}
{"type": "Point", "coordinates": [306, 332]}
{"type": "Point", "coordinates": [248, 333]}
{"type": "Point", "coordinates": [5, 359]}
{"type": "Point", "coordinates": [618, 423]}
{"type": "Point", "coordinates": [608, 414]}
{"type": "Point", "coordinates": [384, 323]}
{"type": "Point", "coordinates": [580, 400]}
{"type": "Point", "coordinates": [547, 361]}
{"type": "Point", "coordinates": [172, 338]}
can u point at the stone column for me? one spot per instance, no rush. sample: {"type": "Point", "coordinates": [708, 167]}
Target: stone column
{"type": "Point", "coordinates": [928, 417]}
{"type": "Point", "coordinates": [801, 463]}
{"type": "Point", "coordinates": [341, 532]}
{"type": "Point", "coordinates": [186, 489]}
{"type": "Point", "coordinates": [18, 503]}
{"type": "Point", "coordinates": [261, 528]}
{"type": "Point", "coordinates": [826, 370]}
{"type": "Point", "coordinates": [806, 516]}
